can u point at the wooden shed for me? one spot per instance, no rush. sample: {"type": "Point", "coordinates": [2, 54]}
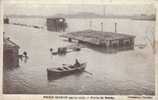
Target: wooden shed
{"type": "Point", "coordinates": [6, 20]}
{"type": "Point", "coordinates": [10, 53]}
{"type": "Point", "coordinates": [56, 24]}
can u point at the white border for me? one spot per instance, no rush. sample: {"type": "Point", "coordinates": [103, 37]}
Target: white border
{"type": "Point", "coordinates": [123, 2]}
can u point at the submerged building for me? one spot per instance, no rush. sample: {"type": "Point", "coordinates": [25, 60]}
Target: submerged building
{"type": "Point", "coordinates": [6, 20]}
{"type": "Point", "coordinates": [56, 24]}
{"type": "Point", "coordinates": [108, 40]}
{"type": "Point", "coordinates": [10, 53]}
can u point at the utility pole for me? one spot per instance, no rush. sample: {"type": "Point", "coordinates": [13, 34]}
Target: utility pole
{"type": "Point", "coordinates": [115, 27]}
{"type": "Point", "coordinates": [101, 26]}
{"type": "Point", "coordinates": [104, 10]}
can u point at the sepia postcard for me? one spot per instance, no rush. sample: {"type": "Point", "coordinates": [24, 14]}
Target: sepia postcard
{"type": "Point", "coordinates": [78, 51]}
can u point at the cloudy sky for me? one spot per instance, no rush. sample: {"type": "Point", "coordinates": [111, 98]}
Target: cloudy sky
{"type": "Point", "coordinates": [31, 7]}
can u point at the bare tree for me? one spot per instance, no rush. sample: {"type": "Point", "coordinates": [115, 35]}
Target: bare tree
{"type": "Point", "coordinates": [151, 41]}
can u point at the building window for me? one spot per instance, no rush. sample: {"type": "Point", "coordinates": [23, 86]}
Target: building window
{"type": "Point", "coordinates": [120, 43]}
{"type": "Point", "coordinates": [115, 43]}
{"type": "Point", "coordinates": [127, 42]}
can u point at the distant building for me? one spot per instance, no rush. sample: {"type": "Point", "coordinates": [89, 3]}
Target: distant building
{"type": "Point", "coordinates": [6, 20]}
{"type": "Point", "coordinates": [56, 24]}
{"type": "Point", "coordinates": [108, 40]}
{"type": "Point", "coordinates": [10, 53]}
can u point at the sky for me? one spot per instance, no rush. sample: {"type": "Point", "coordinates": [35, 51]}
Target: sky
{"type": "Point", "coordinates": [16, 7]}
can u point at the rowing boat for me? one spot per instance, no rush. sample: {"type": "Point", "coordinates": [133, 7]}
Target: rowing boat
{"type": "Point", "coordinates": [66, 70]}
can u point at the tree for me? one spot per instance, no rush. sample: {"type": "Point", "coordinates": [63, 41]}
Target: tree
{"type": "Point", "coordinates": [151, 40]}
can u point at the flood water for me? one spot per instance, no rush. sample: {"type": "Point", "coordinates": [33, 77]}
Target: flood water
{"type": "Point", "coordinates": [122, 73]}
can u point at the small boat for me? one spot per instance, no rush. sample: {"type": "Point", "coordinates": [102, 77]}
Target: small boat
{"type": "Point", "coordinates": [141, 46]}
{"type": "Point", "coordinates": [66, 70]}
{"type": "Point", "coordinates": [54, 53]}
{"type": "Point", "coordinates": [76, 49]}
{"type": "Point", "coordinates": [62, 50]}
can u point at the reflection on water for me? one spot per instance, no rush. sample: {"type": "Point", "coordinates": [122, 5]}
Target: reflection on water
{"type": "Point", "coordinates": [127, 72]}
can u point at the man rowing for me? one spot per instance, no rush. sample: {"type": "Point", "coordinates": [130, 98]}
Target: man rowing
{"type": "Point", "coordinates": [77, 64]}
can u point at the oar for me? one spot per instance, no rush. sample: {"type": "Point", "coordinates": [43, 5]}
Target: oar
{"type": "Point", "coordinates": [88, 72]}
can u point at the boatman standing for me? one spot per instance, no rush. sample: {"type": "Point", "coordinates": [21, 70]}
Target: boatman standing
{"type": "Point", "coordinates": [77, 64]}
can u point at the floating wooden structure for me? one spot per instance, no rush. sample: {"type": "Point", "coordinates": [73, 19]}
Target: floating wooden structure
{"type": "Point", "coordinates": [109, 40]}
{"type": "Point", "coordinates": [56, 24]}
{"type": "Point", "coordinates": [10, 53]}
{"type": "Point", "coordinates": [65, 50]}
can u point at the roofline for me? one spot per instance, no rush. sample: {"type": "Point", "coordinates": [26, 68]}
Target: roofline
{"type": "Point", "coordinates": [128, 35]}
{"type": "Point", "coordinates": [55, 18]}
{"type": "Point", "coordinates": [15, 45]}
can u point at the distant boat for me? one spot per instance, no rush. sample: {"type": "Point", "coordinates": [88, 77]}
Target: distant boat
{"type": "Point", "coordinates": [76, 48]}
{"type": "Point", "coordinates": [54, 53]}
{"type": "Point", "coordinates": [141, 46]}
{"type": "Point", "coordinates": [64, 50]}
{"type": "Point", "coordinates": [66, 70]}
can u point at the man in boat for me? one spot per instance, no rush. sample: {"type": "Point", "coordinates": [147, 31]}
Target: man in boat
{"type": "Point", "coordinates": [77, 64]}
